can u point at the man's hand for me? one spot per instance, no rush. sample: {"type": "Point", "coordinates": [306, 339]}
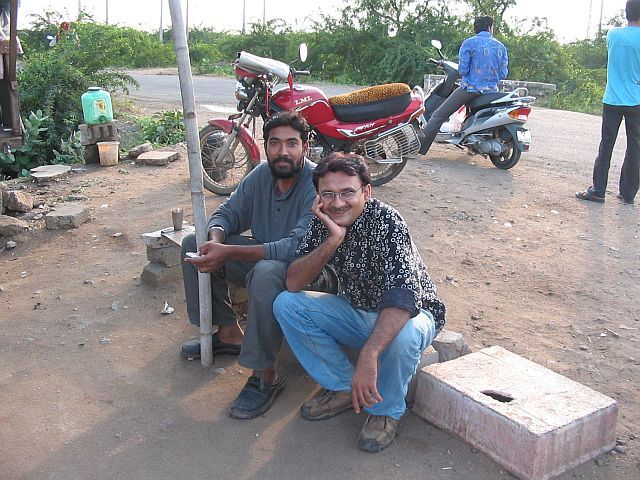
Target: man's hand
{"type": "Point", "coordinates": [213, 257]}
{"type": "Point", "coordinates": [364, 392]}
{"type": "Point", "coordinates": [336, 232]}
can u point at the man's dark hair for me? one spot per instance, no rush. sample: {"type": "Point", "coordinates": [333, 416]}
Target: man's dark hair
{"type": "Point", "coordinates": [482, 24]}
{"type": "Point", "coordinates": [632, 10]}
{"type": "Point", "coordinates": [286, 119]}
{"type": "Point", "coordinates": [350, 163]}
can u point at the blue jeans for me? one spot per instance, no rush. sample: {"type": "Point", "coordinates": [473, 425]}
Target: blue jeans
{"type": "Point", "coordinates": [317, 324]}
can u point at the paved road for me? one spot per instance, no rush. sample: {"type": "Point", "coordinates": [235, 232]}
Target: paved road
{"type": "Point", "coordinates": [211, 91]}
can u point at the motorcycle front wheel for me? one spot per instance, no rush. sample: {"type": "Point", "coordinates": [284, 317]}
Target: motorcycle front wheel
{"type": "Point", "coordinates": [510, 152]}
{"type": "Point", "coordinates": [222, 175]}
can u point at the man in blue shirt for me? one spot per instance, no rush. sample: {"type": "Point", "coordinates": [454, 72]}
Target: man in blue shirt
{"type": "Point", "coordinates": [621, 100]}
{"type": "Point", "coordinates": [483, 62]}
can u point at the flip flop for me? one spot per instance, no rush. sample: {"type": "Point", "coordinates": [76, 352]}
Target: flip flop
{"type": "Point", "coordinates": [590, 196]}
{"type": "Point", "coordinates": [222, 348]}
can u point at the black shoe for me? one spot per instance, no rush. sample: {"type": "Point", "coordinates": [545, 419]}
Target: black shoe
{"type": "Point", "coordinates": [256, 398]}
{"type": "Point", "coordinates": [191, 348]}
{"type": "Point", "coordinates": [590, 195]}
{"type": "Point", "coordinates": [624, 200]}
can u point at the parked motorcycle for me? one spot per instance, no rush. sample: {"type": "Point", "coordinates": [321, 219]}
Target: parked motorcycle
{"type": "Point", "coordinates": [381, 123]}
{"type": "Point", "coordinates": [491, 124]}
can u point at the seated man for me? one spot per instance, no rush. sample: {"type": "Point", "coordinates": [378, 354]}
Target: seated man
{"type": "Point", "coordinates": [387, 306]}
{"type": "Point", "coordinates": [274, 201]}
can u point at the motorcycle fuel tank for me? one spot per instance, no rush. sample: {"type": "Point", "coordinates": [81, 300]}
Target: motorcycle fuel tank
{"type": "Point", "coordinates": [311, 102]}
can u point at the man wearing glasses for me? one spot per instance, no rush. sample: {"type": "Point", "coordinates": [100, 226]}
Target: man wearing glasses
{"type": "Point", "coordinates": [386, 307]}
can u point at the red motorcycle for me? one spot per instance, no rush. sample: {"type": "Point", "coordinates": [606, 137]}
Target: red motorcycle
{"type": "Point", "coordinates": [381, 123]}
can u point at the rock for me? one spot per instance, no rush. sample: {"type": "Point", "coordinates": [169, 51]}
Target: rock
{"type": "Point", "coordinates": [17, 201]}
{"type": "Point", "coordinates": [155, 274]}
{"type": "Point", "coordinates": [135, 152]}
{"type": "Point", "coordinates": [105, 341]}
{"type": "Point", "coordinates": [71, 215]}
{"type": "Point", "coordinates": [157, 158]}
{"type": "Point", "coordinates": [10, 226]}
{"type": "Point", "coordinates": [11, 244]}
{"type": "Point", "coordinates": [621, 449]}
{"type": "Point", "coordinates": [450, 345]}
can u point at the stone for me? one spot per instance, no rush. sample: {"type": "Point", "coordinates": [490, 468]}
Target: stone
{"type": "Point", "coordinates": [17, 201]}
{"type": "Point", "coordinates": [136, 151]}
{"type": "Point", "coordinates": [450, 345]}
{"type": "Point", "coordinates": [11, 245]}
{"type": "Point", "coordinates": [10, 226]}
{"type": "Point", "coordinates": [69, 215]}
{"type": "Point", "coordinates": [157, 158]}
{"type": "Point", "coordinates": [156, 274]}
{"type": "Point", "coordinates": [167, 256]}
{"type": "Point", "coordinates": [47, 172]}
{"type": "Point", "coordinates": [530, 420]}
{"type": "Point", "coordinates": [428, 357]}
{"type": "Point", "coordinates": [155, 239]}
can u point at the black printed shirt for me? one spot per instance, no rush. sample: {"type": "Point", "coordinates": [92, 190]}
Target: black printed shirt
{"type": "Point", "coordinates": [378, 265]}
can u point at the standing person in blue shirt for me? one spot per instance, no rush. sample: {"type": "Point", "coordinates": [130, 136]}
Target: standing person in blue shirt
{"type": "Point", "coordinates": [621, 100]}
{"type": "Point", "coordinates": [483, 62]}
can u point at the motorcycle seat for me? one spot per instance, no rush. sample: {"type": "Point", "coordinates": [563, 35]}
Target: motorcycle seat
{"type": "Point", "coordinates": [485, 100]}
{"type": "Point", "coordinates": [372, 102]}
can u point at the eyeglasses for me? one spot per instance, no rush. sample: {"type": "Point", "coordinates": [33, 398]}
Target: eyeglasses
{"type": "Point", "coordinates": [345, 195]}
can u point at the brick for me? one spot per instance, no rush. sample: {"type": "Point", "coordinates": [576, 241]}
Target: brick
{"type": "Point", "coordinates": [69, 215]}
{"type": "Point", "coordinates": [157, 158]}
{"type": "Point", "coordinates": [428, 357]}
{"type": "Point", "coordinates": [103, 132]}
{"type": "Point", "coordinates": [545, 424]}
{"type": "Point", "coordinates": [167, 256]}
{"type": "Point", "coordinates": [156, 274]}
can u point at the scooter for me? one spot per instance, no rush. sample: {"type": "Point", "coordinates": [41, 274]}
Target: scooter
{"type": "Point", "coordinates": [491, 124]}
{"type": "Point", "coordinates": [381, 123]}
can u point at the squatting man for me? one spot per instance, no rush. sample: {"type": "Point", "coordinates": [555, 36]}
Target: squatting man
{"type": "Point", "coordinates": [386, 307]}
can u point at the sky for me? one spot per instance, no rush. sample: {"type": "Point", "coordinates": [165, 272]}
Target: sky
{"type": "Point", "coordinates": [569, 19]}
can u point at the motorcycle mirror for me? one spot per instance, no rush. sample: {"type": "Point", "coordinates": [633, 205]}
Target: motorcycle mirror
{"type": "Point", "coordinates": [302, 52]}
{"type": "Point", "coordinates": [436, 44]}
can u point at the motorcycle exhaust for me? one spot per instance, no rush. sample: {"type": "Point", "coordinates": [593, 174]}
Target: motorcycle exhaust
{"type": "Point", "coordinates": [489, 147]}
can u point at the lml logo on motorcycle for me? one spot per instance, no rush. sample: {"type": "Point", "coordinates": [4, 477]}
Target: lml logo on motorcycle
{"type": "Point", "coordinates": [303, 100]}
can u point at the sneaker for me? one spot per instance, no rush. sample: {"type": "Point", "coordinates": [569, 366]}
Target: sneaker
{"type": "Point", "coordinates": [256, 397]}
{"type": "Point", "coordinates": [326, 404]}
{"type": "Point", "coordinates": [590, 195]}
{"type": "Point", "coordinates": [377, 433]}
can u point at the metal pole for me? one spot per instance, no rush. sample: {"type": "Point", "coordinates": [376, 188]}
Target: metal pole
{"type": "Point", "coordinates": [106, 12]}
{"type": "Point", "coordinates": [264, 13]}
{"type": "Point", "coordinates": [195, 173]}
{"type": "Point", "coordinates": [187, 21]}
{"type": "Point", "coordinates": [589, 19]}
{"type": "Point", "coordinates": [600, 23]}
{"type": "Point", "coordinates": [79, 8]}
{"type": "Point", "coordinates": [244, 16]}
{"type": "Point", "coordinates": [160, 30]}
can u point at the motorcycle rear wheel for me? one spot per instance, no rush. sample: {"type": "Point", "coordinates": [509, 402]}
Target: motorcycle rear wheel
{"type": "Point", "coordinates": [222, 176]}
{"type": "Point", "coordinates": [510, 151]}
{"type": "Point", "coordinates": [382, 173]}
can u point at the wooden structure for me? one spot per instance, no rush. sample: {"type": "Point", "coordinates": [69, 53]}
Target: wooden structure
{"type": "Point", "coordinates": [11, 131]}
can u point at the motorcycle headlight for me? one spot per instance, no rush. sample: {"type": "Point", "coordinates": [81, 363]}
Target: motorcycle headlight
{"type": "Point", "coordinates": [241, 92]}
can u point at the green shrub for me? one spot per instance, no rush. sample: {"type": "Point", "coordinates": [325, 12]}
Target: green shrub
{"type": "Point", "coordinates": [164, 128]}
{"type": "Point", "coordinates": [19, 161]}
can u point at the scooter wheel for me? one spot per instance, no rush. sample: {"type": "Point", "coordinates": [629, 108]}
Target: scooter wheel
{"type": "Point", "coordinates": [510, 152]}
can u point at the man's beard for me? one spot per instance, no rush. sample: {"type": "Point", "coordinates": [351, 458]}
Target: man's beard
{"type": "Point", "coordinates": [288, 173]}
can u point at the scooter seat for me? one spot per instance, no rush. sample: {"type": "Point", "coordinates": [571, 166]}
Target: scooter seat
{"type": "Point", "coordinates": [485, 100]}
{"type": "Point", "coordinates": [372, 102]}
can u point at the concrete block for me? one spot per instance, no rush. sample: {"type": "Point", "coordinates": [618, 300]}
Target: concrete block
{"type": "Point", "coordinates": [47, 172]}
{"type": "Point", "coordinates": [155, 240]}
{"type": "Point", "coordinates": [167, 256]}
{"type": "Point", "coordinates": [17, 201]}
{"type": "Point", "coordinates": [166, 237]}
{"type": "Point", "coordinates": [156, 274]}
{"type": "Point", "coordinates": [103, 132]}
{"type": "Point", "coordinates": [157, 158]}
{"type": "Point", "coordinates": [450, 345]}
{"type": "Point", "coordinates": [69, 215]}
{"type": "Point", "coordinates": [91, 154]}
{"type": "Point", "coordinates": [428, 357]}
{"type": "Point", "coordinates": [533, 422]}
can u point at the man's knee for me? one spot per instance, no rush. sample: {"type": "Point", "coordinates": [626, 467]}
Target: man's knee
{"type": "Point", "coordinates": [188, 244]}
{"type": "Point", "coordinates": [267, 273]}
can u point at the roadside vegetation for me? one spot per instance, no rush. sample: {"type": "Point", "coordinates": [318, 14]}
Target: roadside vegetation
{"type": "Point", "coordinates": [367, 42]}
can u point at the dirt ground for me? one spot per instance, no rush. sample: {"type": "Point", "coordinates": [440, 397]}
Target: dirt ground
{"type": "Point", "coordinates": [92, 386]}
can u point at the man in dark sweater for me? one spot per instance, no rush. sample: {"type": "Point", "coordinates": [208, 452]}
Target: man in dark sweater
{"type": "Point", "coordinates": [274, 202]}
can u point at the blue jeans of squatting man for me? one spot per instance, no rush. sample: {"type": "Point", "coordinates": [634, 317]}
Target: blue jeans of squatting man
{"type": "Point", "coordinates": [317, 324]}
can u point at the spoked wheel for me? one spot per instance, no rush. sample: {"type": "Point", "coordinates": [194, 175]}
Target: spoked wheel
{"type": "Point", "coordinates": [382, 173]}
{"type": "Point", "coordinates": [510, 153]}
{"type": "Point", "coordinates": [222, 175]}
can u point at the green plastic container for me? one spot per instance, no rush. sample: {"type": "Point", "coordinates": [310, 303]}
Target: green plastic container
{"type": "Point", "coordinates": [96, 106]}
